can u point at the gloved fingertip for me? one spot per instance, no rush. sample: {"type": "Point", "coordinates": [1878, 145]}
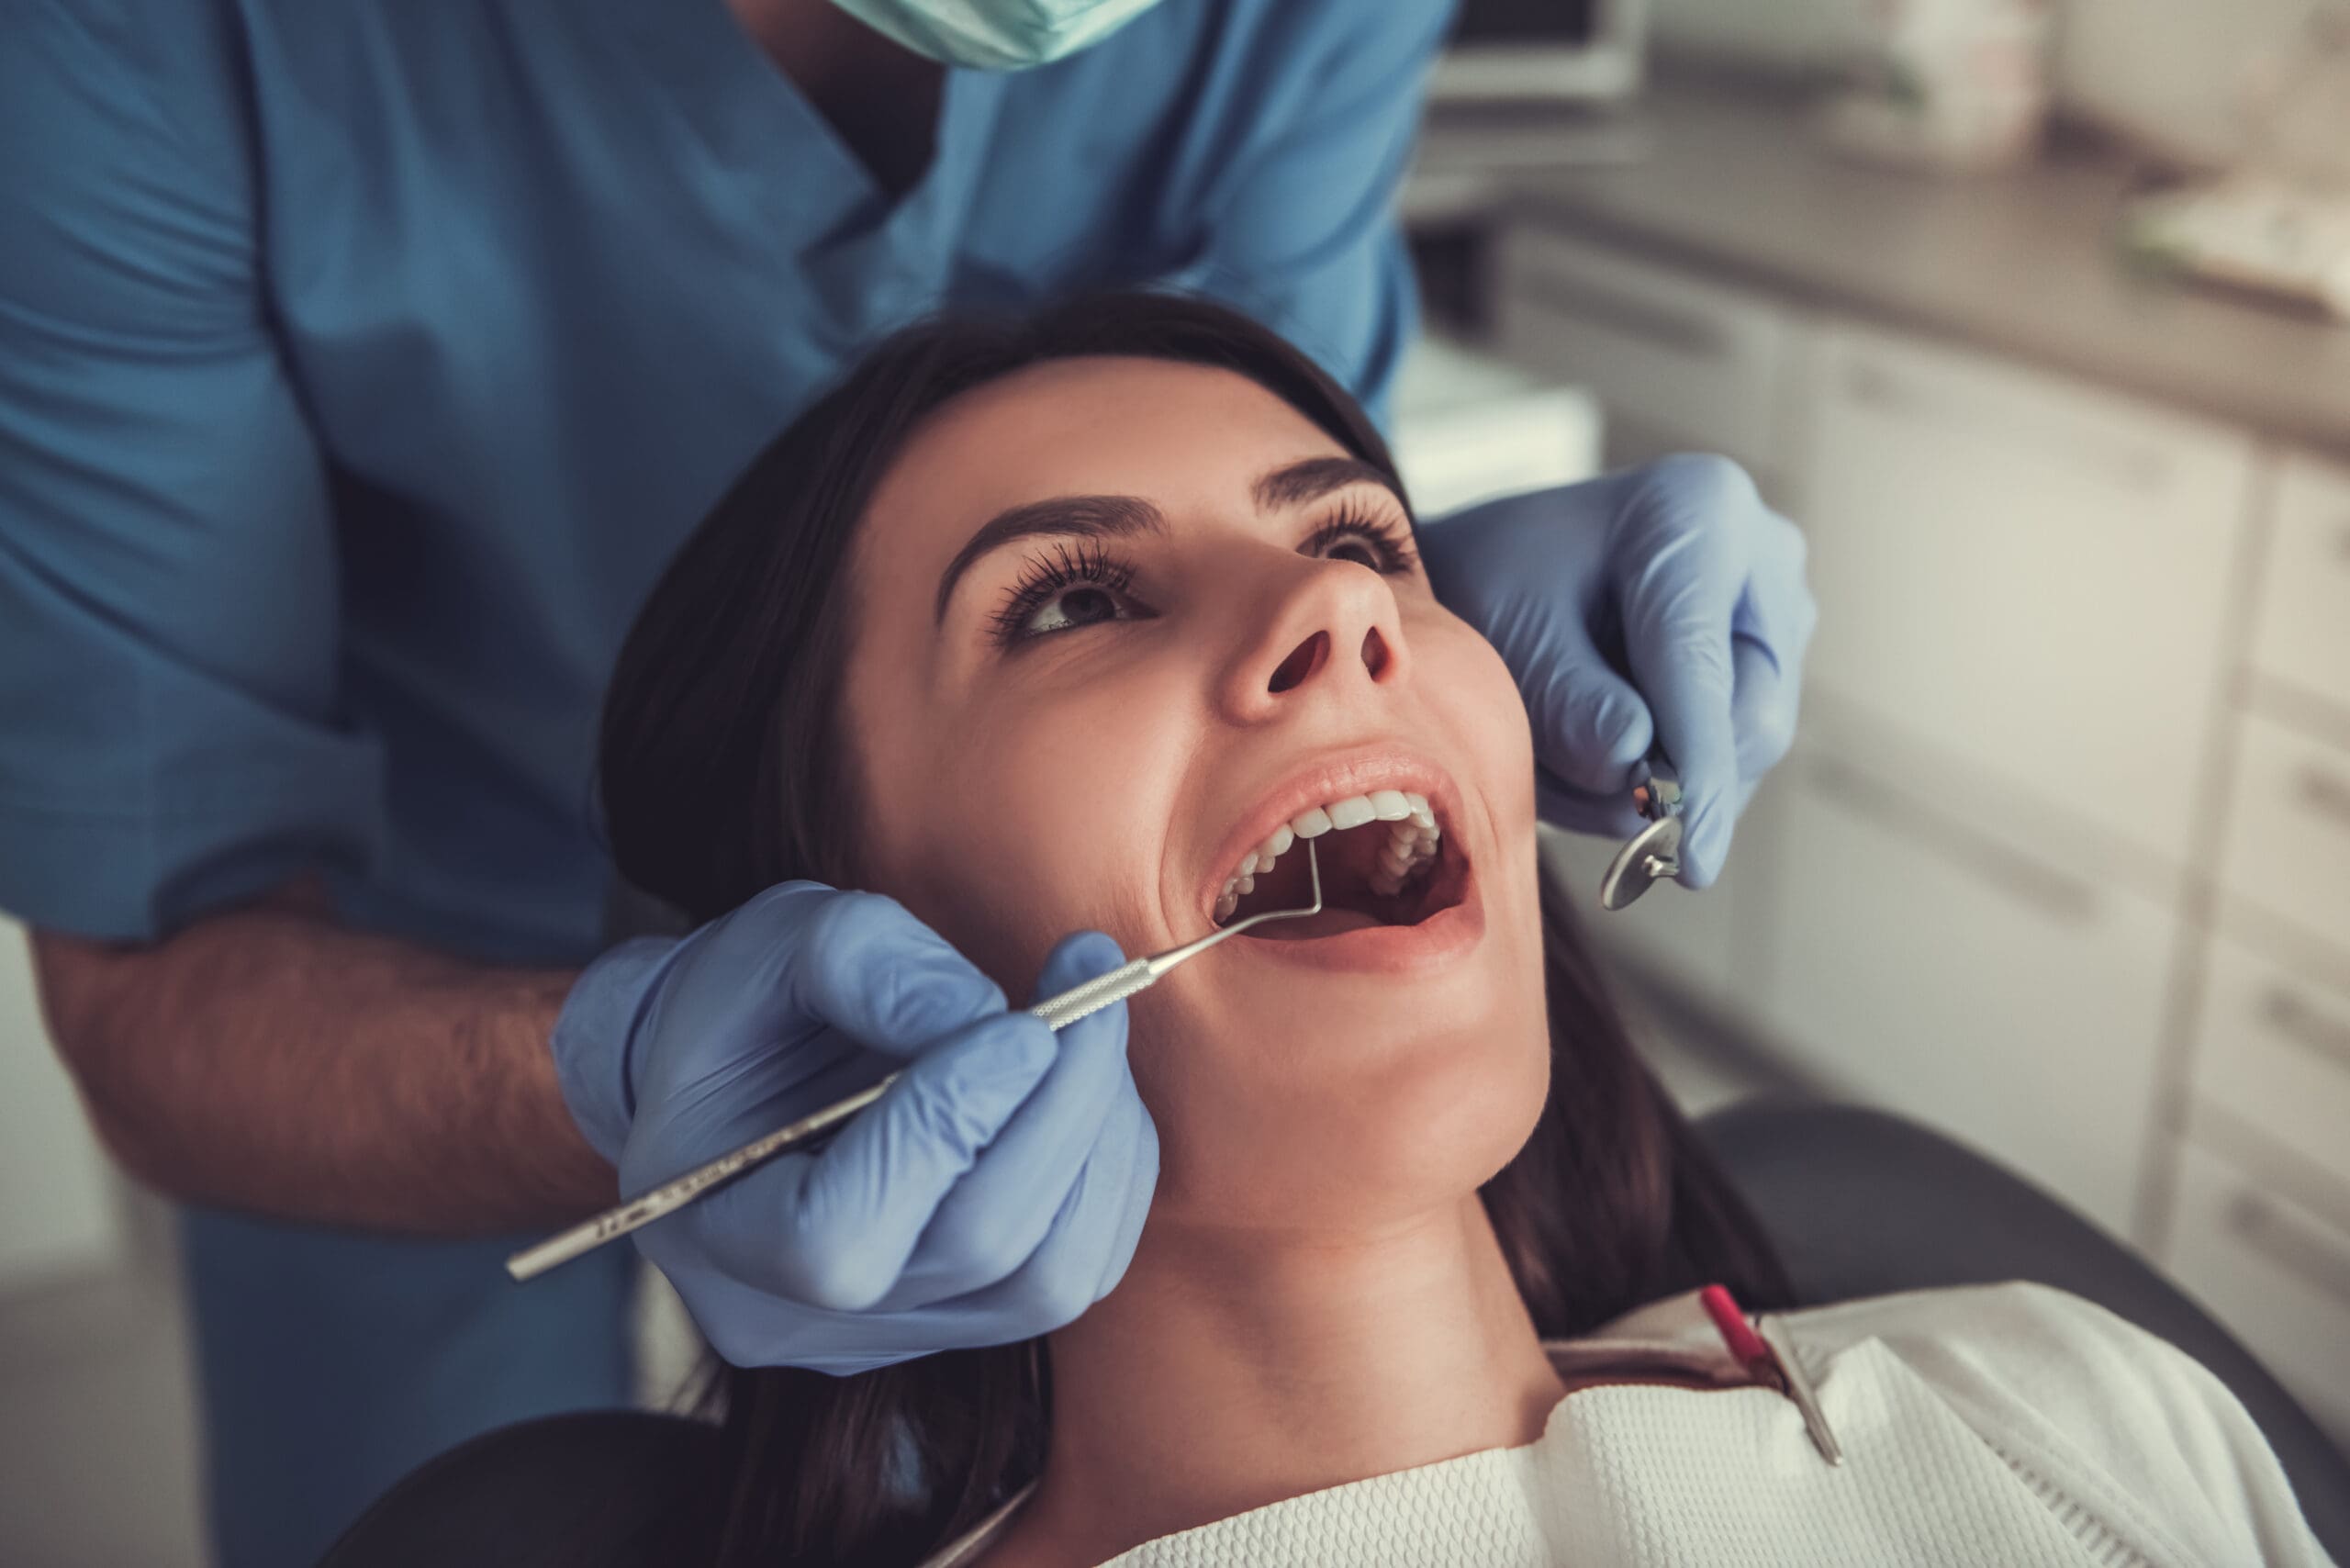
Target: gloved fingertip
{"type": "Point", "coordinates": [1705, 845]}
{"type": "Point", "coordinates": [1593, 736]}
{"type": "Point", "coordinates": [1080, 957]}
{"type": "Point", "coordinates": [1625, 731]}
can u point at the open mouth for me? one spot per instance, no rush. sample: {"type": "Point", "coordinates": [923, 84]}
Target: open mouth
{"type": "Point", "coordinates": [1386, 859]}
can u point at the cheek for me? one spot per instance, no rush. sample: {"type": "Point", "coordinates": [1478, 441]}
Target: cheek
{"type": "Point", "coordinates": [1011, 822]}
{"type": "Point", "coordinates": [1492, 725]}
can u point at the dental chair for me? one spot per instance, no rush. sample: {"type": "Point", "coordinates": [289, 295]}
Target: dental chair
{"type": "Point", "coordinates": [1859, 1203]}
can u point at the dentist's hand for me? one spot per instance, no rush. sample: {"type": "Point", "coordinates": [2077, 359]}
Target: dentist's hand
{"type": "Point", "coordinates": [994, 1192]}
{"type": "Point", "coordinates": [1681, 569]}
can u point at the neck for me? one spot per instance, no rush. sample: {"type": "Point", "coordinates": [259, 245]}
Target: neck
{"type": "Point", "coordinates": [1230, 1370]}
{"type": "Point", "coordinates": [882, 100]}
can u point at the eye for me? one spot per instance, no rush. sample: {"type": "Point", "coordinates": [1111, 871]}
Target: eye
{"type": "Point", "coordinates": [1357, 533]}
{"type": "Point", "coordinates": [1077, 586]}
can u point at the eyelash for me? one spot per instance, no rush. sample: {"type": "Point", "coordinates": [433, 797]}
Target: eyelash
{"type": "Point", "coordinates": [1084, 563]}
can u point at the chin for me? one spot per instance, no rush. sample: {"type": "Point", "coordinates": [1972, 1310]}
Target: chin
{"type": "Point", "coordinates": [1351, 1122]}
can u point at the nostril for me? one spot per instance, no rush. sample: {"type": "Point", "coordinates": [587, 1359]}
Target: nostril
{"type": "Point", "coordinates": [1303, 661]}
{"type": "Point", "coordinates": [1374, 652]}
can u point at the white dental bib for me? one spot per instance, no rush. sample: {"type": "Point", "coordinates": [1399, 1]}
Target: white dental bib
{"type": "Point", "coordinates": [2010, 1426]}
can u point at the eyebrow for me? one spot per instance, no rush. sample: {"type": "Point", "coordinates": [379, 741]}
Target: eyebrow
{"type": "Point", "coordinates": [1114, 516]}
{"type": "Point", "coordinates": [1088, 516]}
{"type": "Point", "coordinates": [1317, 477]}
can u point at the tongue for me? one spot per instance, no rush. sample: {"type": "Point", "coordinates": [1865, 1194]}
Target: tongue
{"type": "Point", "coordinates": [1331, 921]}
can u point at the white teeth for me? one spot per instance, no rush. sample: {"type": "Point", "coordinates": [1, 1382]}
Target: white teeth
{"type": "Point", "coordinates": [1412, 839]}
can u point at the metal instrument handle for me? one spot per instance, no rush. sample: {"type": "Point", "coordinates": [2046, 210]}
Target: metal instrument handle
{"type": "Point", "coordinates": [1058, 1012]}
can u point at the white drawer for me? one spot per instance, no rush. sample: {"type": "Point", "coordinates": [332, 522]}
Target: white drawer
{"type": "Point", "coordinates": [2302, 632]}
{"type": "Point", "coordinates": [1934, 970]}
{"type": "Point", "coordinates": [2274, 1051]}
{"type": "Point", "coordinates": [2289, 829]}
{"type": "Point", "coordinates": [2023, 573]}
{"type": "Point", "coordinates": [2275, 1271]}
{"type": "Point", "coordinates": [1685, 364]}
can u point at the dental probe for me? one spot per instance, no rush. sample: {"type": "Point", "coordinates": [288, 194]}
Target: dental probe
{"type": "Point", "coordinates": [1058, 1012]}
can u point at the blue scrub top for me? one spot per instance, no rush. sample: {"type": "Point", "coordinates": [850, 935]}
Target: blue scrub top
{"type": "Point", "coordinates": [362, 362]}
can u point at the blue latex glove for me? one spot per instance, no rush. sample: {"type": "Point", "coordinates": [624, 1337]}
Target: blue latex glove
{"type": "Point", "coordinates": [1680, 571]}
{"type": "Point", "coordinates": [995, 1191]}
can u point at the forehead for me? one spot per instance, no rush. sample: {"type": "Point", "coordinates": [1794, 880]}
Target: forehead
{"type": "Point", "coordinates": [1179, 435]}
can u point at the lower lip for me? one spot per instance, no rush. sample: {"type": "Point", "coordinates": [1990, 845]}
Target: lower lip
{"type": "Point", "coordinates": [1385, 949]}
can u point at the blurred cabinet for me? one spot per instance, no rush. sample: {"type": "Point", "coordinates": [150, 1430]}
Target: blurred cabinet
{"type": "Point", "coordinates": [2303, 629]}
{"type": "Point", "coordinates": [2288, 846]}
{"type": "Point", "coordinates": [2061, 861]}
{"type": "Point", "coordinates": [1927, 964]}
{"type": "Point", "coordinates": [2274, 1269]}
{"type": "Point", "coordinates": [2272, 1057]}
{"type": "Point", "coordinates": [1687, 365]}
{"type": "Point", "coordinates": [2023, 572]}
{"type": "Point", "coordinates": [57, 1213]}
{"type": "Point", "coordinates": [2261, 1225]}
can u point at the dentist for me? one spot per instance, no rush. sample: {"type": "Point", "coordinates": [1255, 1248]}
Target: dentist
{"type": "Point", "coordinates": [360, 363]}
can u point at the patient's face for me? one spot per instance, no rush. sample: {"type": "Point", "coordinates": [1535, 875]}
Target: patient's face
{"type": "Point", "coordinates": [1222, 629]}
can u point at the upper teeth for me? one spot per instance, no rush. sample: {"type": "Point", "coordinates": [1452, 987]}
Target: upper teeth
{"type": "Point", "coordinates": [1411, 842]}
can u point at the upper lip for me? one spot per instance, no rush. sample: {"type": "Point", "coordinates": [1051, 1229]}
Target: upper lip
{"type": "Point", "coordinates": [1333, 778]}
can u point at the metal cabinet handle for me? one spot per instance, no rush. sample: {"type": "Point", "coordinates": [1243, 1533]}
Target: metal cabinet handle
{"type": "Point", "coordinates": [2288, 1244]}
{"type": "Point", "coordinates": [1872, 385]}
{"type": "Point", "coordinates": [2022, 881]}
{"type": "Point", "coordinates": [2325, 794]}
{"type": "Point", "coordinates": [2296, 1021]}
{"type": "Point", "coordinates": [1624, 314]}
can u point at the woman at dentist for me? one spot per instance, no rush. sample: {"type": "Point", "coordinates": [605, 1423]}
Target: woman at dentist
{"type": "Point", "coordinates": [360, 365]}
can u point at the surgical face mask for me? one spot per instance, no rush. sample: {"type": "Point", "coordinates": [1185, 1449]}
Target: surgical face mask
{"type": "Point", "coordinates": [995, 35]}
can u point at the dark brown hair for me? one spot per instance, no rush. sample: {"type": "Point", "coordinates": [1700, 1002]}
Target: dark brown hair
{"type": "Point", "coordinates": [722, 773]}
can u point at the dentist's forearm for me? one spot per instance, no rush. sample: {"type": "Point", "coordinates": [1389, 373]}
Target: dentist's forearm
{"type": "Point", "coordinates": [272, 1060]}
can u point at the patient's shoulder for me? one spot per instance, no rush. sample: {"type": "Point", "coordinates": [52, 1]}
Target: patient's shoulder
{"type": "Point", "coordinates": [2024, 1347]}
{"type": "Point", "coordinates": [2065, 1389]}
{"type": "Point", "coordinates": [2015, 1323]}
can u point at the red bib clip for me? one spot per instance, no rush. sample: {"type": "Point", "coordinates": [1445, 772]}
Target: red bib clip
{"type": "Point", "coordinates": [1766, 1365]}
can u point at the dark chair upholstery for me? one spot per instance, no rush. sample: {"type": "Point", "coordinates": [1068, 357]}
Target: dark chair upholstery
{"type": "Point", "coordinates": [594, 1489]}
{"type": "Point", "coordinates": [1859, 1203]}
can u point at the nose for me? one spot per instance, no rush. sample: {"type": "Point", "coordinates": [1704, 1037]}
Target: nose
{"type": "Point", "coordinates": [1329, 630]}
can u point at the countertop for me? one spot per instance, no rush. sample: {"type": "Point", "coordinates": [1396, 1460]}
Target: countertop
{"type": "Point", "coordinates": [1727, 178]}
